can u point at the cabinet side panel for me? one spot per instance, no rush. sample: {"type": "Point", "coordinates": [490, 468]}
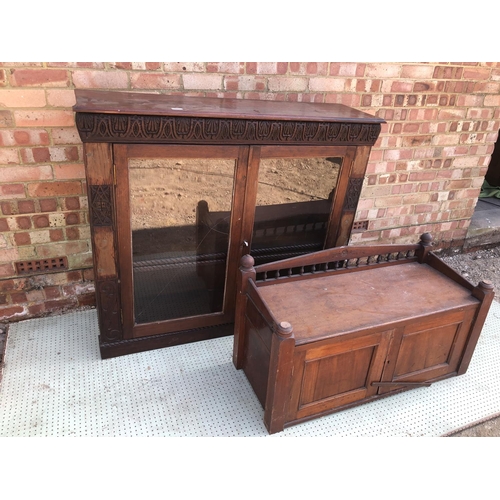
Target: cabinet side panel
{"type": "Point", "coordinates": [100, 185]}
{"type": "Point", "coordinates": [257, 352]}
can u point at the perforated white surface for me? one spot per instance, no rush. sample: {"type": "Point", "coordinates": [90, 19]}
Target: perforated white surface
{"type": "Point", "coordinates": [55, 384]}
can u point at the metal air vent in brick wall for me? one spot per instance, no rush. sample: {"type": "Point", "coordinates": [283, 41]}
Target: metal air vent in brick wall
{"type": "Point", "coordinates": [42, 266]}
{"type": "Point", "coordinates": [359, 226]}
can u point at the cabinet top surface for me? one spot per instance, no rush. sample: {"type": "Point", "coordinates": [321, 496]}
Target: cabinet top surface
{"type": "Point", "coordinates": [321, 307]}
{"type": "Point", "coordinates": [134, 103]}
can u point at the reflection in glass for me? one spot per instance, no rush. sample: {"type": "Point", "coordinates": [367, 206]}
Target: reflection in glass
{"type": "Point", "coordinates": [180, 211]}
{"type": "Point", "coordinates": [294, 198]}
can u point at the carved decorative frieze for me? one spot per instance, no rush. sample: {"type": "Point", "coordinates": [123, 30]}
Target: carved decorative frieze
{"type": "Point", "coordinates": [110, 314]}
{"type": "Point", "coordinates": [100, 127]}
{"type": "Point", "coordinates": [353, 193]}
{"type": "Point", "coordinates": [101, 205]}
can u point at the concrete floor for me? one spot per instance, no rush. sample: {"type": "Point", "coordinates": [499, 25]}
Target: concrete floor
{"type": "Point", "coordinates": [55, 385]}
{"type": "Point", "coordinates": [484, 228]}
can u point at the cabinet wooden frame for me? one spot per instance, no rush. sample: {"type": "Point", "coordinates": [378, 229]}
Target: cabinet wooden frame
{"type": "Point", "coordinates": [116, 127]}
{"type": "Point", "coordinates": [323, 332]}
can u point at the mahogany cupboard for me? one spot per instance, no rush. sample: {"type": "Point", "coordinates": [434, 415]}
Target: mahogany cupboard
{"type": "Point", "coordinates": [328, 330]}
{"type": "Point", "coordinates": [180, 188]}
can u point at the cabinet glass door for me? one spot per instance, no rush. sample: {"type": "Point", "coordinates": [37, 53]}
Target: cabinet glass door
{"type": "Point", "coordinates": [181, 211]}
{"type": "Point", "coordinates": [180, 207]}
{"type": "Point", "coordinates": [294, 203]}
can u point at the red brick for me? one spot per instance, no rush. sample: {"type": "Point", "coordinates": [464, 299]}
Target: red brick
{"type": "Point", "coordinates": [245, 83]}
{"type": "Point", "coordinates": [54, 188]}
{"type": "Point", "coordinates": [347, 69]}
{"type": "Point", "coordinates": [35, 155]}
{"type": "Point", "coordinates": [8, 157]}
{"type": "Point", "coordinates": [3, 78]}
{"type": "Point", "coordinates": [10, 313]}
{"type": "Point", "coordinates": [48, 205]}
{"type": "Point", "coordinates": [6, 119]}
{"type": "Point", "coordinates": [61, 98]}
{"type": "Point", "coordinates": [72, 203]}
{"type": "Point", "coordinates": [6, 270]}
{"type": "Point", "coordinates": [18, 297]}
{"type": "Point", "coordinates": [7, 207]}
{"type": "Point", "coordinates": [202, 81]}
{"type": "Point", "coordinates": [184, 66]}
{"type": "Point", "coordinates": [56, 235]}
{"type": "Point", "coordinates": [9, 174]}
{"type": "Point", "coordinates": [59, 305]}
{"type": "Point", "coordinates": [72, 233]}
{"type": "Point", "coordinates": [72, 171]}
{"type": "Point", "coordinates": [52, 292]}
{"type": "Point", "coordinates": [251, 68]}
{"type": "Point", "coordinates": [72, 219]}
{"type": "Point", "coordinates": [476, 73]}
{"type": "Point", "coordinates": [225, 67]}
{"type": "Point", "coordinates": [39, 77]}
{"type": "Point", "coordinates": [324, 84]}
{"type": "Point", "coordinates": [9, 191]}
{"type": "Point", "coordinates": [41, 221]}
{"type": "Point", "coordinates": [86, 300]}
{"type": "Point", "coordinates": [383, 70]}
{"type": "Point", "coordinates": [26, 207]}
{"type": "Point", "coordinates": [22, 239]}
{"type": "Point", "coordinates": [100, 79]}
{"type": "Point", "coordinates": [3, 299]}
{"type": "Point", "coordinates": [46, 118]}
{"type": "Point", "coordinates": [287, 84]}
{"type": "Point", "coordinates": [24, 138]}
{"type": "Point", "coordinates": [67, 135]}
{"type": "Point", "coordinates": [423, 71]}
{"type": "Point", "coordinates": [448, 72]}
{"type": "Point", "coordinates": [26, 98]}
{"type": "Point", "coordinates": [35, 310]}
{"type": "Point", "coordinates": [155, 81]}
{"type": "Point", "coordinates": [4, 226]}
{"type": "Point", "coordinates": [23, 222]}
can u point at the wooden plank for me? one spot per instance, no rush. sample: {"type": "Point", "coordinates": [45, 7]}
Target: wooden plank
{"type": "Point", "coordinates": [114, 102]}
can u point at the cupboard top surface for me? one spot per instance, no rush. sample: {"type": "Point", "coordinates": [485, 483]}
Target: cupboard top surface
{"type": "Point", "coordinates": [134, 103]}
{"type": "Point", "coordinates": [321, 307]}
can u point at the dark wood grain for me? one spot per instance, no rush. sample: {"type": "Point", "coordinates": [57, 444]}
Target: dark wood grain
{"type": "Point", "coordinates": [358, 334]}
{"type": "Point", "coordinates": [118, 126]}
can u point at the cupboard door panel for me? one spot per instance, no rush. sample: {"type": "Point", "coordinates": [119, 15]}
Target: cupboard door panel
{"type": "Point", "coordinates": [429, 349]}
{"type": "Point", "coordinates": [338, 374]}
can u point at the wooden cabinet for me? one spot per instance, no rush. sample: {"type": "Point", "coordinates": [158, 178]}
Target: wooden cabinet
{"type": "Point", "coordinates": [331, 329]}
{"type": "Point", "coordinates": [180, 188]}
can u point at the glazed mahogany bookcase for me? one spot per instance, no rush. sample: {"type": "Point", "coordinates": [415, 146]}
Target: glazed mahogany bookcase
{"type": "Point", "coordinates": [180, 188]}
{"type": "Point", "coordinates": [321, 332]}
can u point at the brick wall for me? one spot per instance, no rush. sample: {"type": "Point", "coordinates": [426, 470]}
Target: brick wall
{"type": "Point", "coordinates": [424, 173]}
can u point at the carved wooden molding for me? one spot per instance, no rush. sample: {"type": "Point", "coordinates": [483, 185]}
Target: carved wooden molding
{"type": "Point", "coordinates": [101, 205]}
{"type": "Point", "coordinates": [353, 193]}
{"type": "Point", "coordinates": [110, 310]}
{"type": "Point", "coordinates": [100, 127]}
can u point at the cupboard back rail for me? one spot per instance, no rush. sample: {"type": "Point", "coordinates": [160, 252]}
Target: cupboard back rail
{"type": "Point", "coordinates": [180, 188]}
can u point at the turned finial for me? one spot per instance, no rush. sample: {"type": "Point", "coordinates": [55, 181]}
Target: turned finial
{"type": "Point", "coordinates": [486, 284]}
{"type": "Point", "coordinates": [426, 239]}
{"type": "Point", "coordinates": [247, 262]}
{"type": "Point", "coordinates": [284, 329]}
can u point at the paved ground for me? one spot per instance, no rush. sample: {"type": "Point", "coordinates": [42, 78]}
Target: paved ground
{"type": "Point", "coordinates": [476, 266]}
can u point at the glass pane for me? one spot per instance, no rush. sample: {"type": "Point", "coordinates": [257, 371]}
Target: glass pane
{"type": "Point", "coordinates": [294, 198]}
{"type": "Point", "coordinates": [181, 210]}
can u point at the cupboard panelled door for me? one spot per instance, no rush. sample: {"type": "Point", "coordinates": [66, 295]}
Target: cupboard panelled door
{"type": "Point", "coordinates": [337, 373]}
{"type": "Point", "coordinates": [178, 243]}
